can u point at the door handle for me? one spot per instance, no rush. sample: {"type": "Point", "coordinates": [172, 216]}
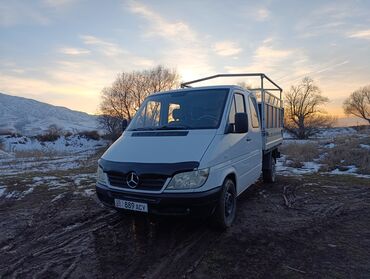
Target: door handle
{"type": "Point", "coordinates": [248, 139]}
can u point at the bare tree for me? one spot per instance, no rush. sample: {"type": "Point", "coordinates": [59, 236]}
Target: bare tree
{"type": "Point", "coordinates": [303, 113]}
{"type": "Point", "coordinates": [358, 103]}
{"type": "Point", "coordinates": [111, 124]}
{"type": "Point", "coordinates": [123, 98]}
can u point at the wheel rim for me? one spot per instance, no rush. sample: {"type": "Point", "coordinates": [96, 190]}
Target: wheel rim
{"type": "Point", "coordinates": [229, 204]}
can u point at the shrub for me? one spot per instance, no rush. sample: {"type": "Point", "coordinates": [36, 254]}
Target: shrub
{"type": "Point", "coordinates": [68, 134]}
{"type": "Point", "coordinates": [346, 152]}
{"type": "Point", "coordinates": [297, 153]}
{"type": "Point", "coordinates": [93, 135]}
{"type": "Point", "coordinates": [52, 134]}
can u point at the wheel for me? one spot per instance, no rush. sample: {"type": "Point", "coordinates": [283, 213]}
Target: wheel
{"type": "Point", "coordinates": [224, 214]}
{"type": "Point", "coordinates": [269, 175]}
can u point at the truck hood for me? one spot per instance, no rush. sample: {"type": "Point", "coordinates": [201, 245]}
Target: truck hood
{"type": "Point", "coordinates": [160, 146]}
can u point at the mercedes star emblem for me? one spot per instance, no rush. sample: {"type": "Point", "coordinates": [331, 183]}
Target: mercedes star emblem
{"type": "Point", "coordinates": [132, 180]}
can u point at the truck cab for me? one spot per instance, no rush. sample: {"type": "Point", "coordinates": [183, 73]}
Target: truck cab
{"type": "Point", "coordinates": [192, 151]}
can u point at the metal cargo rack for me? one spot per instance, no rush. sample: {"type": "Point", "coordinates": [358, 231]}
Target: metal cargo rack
{"type": "Point", "coordinates": [270, 106]}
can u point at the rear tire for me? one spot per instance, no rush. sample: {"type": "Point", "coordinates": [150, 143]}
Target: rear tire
{"type": "Point", "coordinates": [224, 215]}
{"type": "Point", "coordinates": [269, 175]}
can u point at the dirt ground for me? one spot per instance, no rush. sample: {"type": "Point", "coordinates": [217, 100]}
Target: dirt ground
{"type": "Point", "coordinates": [308, 226]}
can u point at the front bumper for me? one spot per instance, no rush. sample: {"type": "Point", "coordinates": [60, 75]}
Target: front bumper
{"type": "Point", "coordinates": [194, 204]}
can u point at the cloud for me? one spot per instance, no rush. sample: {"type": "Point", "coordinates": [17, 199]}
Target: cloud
{"type": "Point", "coordinates": [105, 47]}
{"type": "Point", "coordinates": [74, 51]}
{"type": "Point", "coordinates": [278, 63]}
{"type": "Point", "coordinates": [330, 18]}
{"type": "Point", "coordinates": [262, 14]}
{"type": "Point", "coordinates": [21, 12]}
{"type": "Point", "coordinates": [111, 49]}
{"type": "Point", "coordinates": [58, 3]}
{"type": "Point", "coordinates": [267, 57]}
{"type": "Point", "coordinates": [361, 34]}
{"type": "Point", "coordinates": [159, 26]}
{"type": "Point", "coordinates": [226, 48]}
{"type": "Point", "coordinates": [185, 48]}
{"type": "Point", "coordinates": [270, 53]}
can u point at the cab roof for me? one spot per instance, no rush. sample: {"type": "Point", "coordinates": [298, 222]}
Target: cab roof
{"type": "Point", "coordinates": [230, 87]}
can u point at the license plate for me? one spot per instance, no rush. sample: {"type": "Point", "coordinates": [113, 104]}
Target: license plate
{"type": "Point", "coordinates": [130, 205]}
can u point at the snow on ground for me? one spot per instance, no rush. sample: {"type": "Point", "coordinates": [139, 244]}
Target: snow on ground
{"type": "Point", "coordinates": [27, 154]}
{"type": "Point", "coordinates": [44, 164]}
{"type": "Point", "coordinates": [334, 132]}
{"type": "Point", "coordinates": [365, 146]}
{"type": "Point", "coordinates": [41, 162]}
{"type": "Point", "coordinates": [307, 168]}
{"type": "Point", "coordinates": [324, 139]}
{"type": "Point", "coordinates": [82, 184]}
{"type": "Point", "coordinates": [63, 144]}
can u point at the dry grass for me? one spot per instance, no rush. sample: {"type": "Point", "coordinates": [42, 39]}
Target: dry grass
{"type": "Point", "coordinates": [297, 153]}
{"type": "Point", "coordinates": [346, 152]}
{"type": "Point", "coordinates": [38, 154]}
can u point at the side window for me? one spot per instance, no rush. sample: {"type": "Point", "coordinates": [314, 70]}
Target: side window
{"type": "Point", "coordinates": [172, 107]}
{"type": "Point", "coordinates": [239, 101]}
{"type": "Point", "coordinates": [238, 105]}
{"type": "Point", "coordinates": [232, 113]}
{"type": "Point", "coordinates": [254, 115]}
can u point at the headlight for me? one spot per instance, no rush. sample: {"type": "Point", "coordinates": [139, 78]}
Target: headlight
{"type": "Point", "coordinates": [101, 176]}
{"type": "Point", "coordinates": [188, 180]}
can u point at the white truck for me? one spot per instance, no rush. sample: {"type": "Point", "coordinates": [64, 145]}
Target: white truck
{"type": "Point", "coordinates": [194, 150]}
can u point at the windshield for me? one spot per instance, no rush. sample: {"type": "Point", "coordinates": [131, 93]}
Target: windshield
{"type": "Point", "coordinates": [195, 109]}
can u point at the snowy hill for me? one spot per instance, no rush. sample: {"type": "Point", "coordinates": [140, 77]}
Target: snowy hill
{"type": "Point", "coordinates": [30, 117]}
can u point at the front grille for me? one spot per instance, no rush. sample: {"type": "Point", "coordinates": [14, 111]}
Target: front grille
{"type": "Point", "coordinates": [148, 182]}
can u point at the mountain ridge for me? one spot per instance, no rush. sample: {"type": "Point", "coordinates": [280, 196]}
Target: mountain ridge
{"type": "Point", "coordinates": [30, 117]}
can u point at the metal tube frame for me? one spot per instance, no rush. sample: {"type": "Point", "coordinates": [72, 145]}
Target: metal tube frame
{"type": "Point", "coordinates": [262, 89]}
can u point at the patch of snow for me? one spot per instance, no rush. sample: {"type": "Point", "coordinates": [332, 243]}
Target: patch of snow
{"type": "Point", "coordinates": [4, 155]}
{"type": "Point", "coordinates": [30, 190]}
{"type": "Point", "coordinates": [287, 135]}
{"type": "Point", "coordinates": [72, 156]}
{"type": "Point", "coordinates": [297, 141]}
{"type": "Point", "coordinates": [2, 191]}
{"type": "Point", "coordinates": [307, 168]}
{"type": "Point", "coordinates": [312, 166]}
{"type": "Point", "coordinates": [57, 197]}
{"type": "Point", "coordinates": [89, 192]}
{"type": "Point", "coordinates": [352, 170]}
{"type": "Point", "coordinates": [71, 144]}
{"type": "Point", "coordinates": [329, 145]}
{"type": "Point", "coordinates": [334, 132]}
{"type": "Point", "coordinates": [365, 146]}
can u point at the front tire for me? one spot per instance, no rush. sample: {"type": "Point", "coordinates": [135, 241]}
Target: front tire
{"type": "Point", "coordinates": [224, 215]}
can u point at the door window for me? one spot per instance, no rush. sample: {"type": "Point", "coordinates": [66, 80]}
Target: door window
{"type": "Point", "coordinates": [254, 115]}
{"type": "Point", "coordinates": [239, 102]}
{"type": "Point", "coordinates": [232, 113]}
{"type": "Point", "coordinates": [237, 106]}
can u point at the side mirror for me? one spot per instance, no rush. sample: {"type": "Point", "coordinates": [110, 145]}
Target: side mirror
{"type": "Point", "coordinates": [241, 122]}
{"type": "Point", "coordinates": [124, 124]}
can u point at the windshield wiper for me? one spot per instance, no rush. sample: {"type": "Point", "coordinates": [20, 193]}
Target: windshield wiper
{"type": "Point", "coordinates": [143, 129]}
{"type": "Point", "coordinates": [170, 127]}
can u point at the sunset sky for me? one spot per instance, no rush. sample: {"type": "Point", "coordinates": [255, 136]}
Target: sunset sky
{"type": "Point", "coordinates": [64, 52]}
